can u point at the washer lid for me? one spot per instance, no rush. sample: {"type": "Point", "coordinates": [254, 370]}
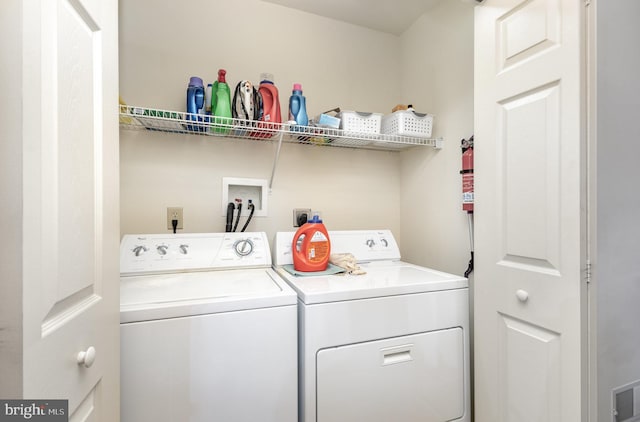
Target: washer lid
{"type": "Point", "coordinates": [161, 296]}
{"type": "Point", "coordinates": [382, 279]}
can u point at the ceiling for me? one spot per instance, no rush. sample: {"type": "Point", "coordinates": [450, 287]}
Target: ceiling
{"type": "Point", "coordinates": [392, 16]}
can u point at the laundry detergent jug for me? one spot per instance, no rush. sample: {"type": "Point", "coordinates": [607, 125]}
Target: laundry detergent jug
{"type": "Point", "coordinates": [270, 99]}
{"type": "Point", "coordinates": [298, 107]}
{"type": "Point", "coordinates": [311, 246]}
{"type": "Point", "coordinates": [195, 103]}
{"type": "Point", "coordinates": [269, 116]}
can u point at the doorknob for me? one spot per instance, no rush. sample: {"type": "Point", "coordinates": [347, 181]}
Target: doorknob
{"type": "Point", "coordinates": [87, 357]}
{"type": "Point", "coordinates": [522, 295]}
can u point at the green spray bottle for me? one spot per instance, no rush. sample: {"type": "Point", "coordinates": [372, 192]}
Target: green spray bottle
{"type": "Point", "coordinates": [221, 103]}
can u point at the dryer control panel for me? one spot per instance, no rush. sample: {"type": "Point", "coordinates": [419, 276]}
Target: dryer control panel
{"type": "Point", "coordinates": [167, 253]}
{"type": "Point", "coordinates": [365, 245]}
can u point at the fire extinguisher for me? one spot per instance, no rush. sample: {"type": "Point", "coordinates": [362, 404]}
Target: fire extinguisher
{"type": "Point", "coordinates": [467, 191]}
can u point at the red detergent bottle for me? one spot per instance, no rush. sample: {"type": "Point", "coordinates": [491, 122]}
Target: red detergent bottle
{"type": "Point", "coordinates": [270, 114]}
{"type": "Point", "coordinates": [270, 99]}
{"type": "Point", "coordinates": [312, 254]}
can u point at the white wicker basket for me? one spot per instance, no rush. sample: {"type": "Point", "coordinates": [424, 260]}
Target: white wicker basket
{"type": "Point", "coordinates": [407, 123]}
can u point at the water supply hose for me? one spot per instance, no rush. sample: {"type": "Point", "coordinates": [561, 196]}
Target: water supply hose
{"type": "Point", "coordinates": [235, 226]}
{"type": "Point", "coordinates": [230, 208]}
{"type": "Point", "coordinates": [252, 208]}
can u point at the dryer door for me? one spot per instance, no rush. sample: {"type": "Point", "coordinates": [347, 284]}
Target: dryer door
{"type": "Point", "coordinates": [409, 378]}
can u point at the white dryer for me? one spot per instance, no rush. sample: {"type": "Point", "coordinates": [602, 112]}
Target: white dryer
{"type": "Point", "coordinates": [389, 345]}
{"type": "Point", "coordinates": [208, 330]}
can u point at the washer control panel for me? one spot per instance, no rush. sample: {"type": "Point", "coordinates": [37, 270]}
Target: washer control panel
{"type": "Point", "coordinates": [165, 253]}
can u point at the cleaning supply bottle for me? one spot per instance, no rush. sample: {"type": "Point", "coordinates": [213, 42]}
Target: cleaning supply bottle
{"type": "Point", "coordinates": [315, 247]}
{"type": "Point", "coordinates": [195, 101]}
{"type": "Point", "coordinates": [221, 102]}
{"type": "Point", "coordinates": [270, 99]}
{"type": "Point", "coordinates": [298, 107]}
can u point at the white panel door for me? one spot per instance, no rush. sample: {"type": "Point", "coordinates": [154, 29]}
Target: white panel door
{"type": "Point", "coordinates": [71, 212]}
{"type": "Point", "coordinates": [529, 291]}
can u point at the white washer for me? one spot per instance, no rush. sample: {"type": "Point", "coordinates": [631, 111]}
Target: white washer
{"type": "Point", "coordinates": [390, 345]}
{"type": "Point", "coordinates": [208, 330]}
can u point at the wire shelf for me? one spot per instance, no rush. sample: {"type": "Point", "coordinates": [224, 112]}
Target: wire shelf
{"type": "Point", "coordinates": [140, 118]}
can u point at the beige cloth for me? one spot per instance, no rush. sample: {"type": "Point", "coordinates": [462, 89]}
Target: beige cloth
{"type": "Point", "coordinates": [348, 262]}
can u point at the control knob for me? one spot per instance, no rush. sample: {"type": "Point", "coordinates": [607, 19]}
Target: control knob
{"type": "Point", "coordinates": [162, 249]}
{"type": "Point", "coordinates": [243, 247]}
{"type": "Point", "coordinates": [139, 250]}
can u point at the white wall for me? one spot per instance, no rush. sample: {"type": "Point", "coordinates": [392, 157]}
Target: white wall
{"type": "Point", "coordinates": [11, 120]}
{"type": "Point", "coordinates": [437, 64]}
{"type": "Point", "coordinates": [617, 277]}
{"type": "Point", "coordinates": [163, 43]}
{"type": "Point", "coordinates": [351, 188]}
{"type": "Point", "coordinates": [338, 65]}
{"type": "Point", "coordinates": [415, 193]}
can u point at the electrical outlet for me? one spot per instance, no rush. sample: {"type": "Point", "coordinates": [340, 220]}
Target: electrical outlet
{"type": "Point", "coordinates": [300, 214]}
{"type": "Point", "coordinates": [625, 402]}
{"type": "Point", "coordinates": [174, 213]}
